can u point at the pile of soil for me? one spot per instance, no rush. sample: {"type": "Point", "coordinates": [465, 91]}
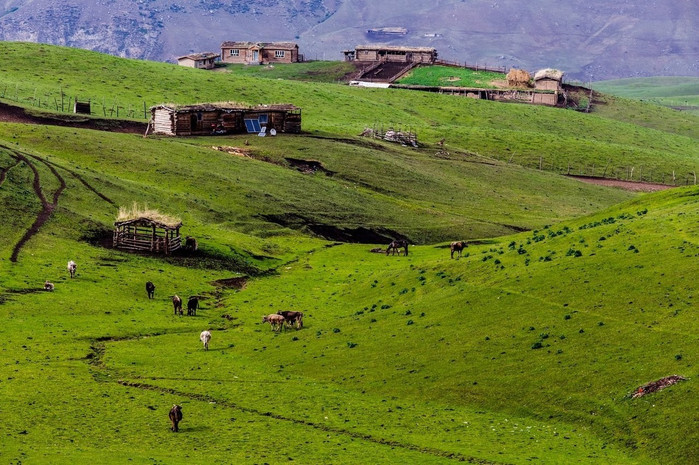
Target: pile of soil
{"type": "Point", "coordinates": [656, 386]}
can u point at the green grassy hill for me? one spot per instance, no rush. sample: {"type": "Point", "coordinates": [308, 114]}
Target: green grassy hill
{"type": "Point", "coordinates": [657, 141]}
{"type": "Point", "coordinates": [524, 350]}
{"type": "Point", "coordinates": [677, 92]}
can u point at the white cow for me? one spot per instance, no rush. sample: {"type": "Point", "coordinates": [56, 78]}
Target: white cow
{"type": "Point", "coordinates": [205, 337]}
{"type": "Point", "coordinates": [71, 268]}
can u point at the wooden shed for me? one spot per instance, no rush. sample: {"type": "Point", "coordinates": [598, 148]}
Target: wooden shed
{"type": "Point", "coordinates": [204, 60]}
{"type": "Point", "coordinates": [394, 53]}
{"type": "Point", "coordinates": [145, 234]}
{"type": "Point", "coordinates": [224, 118]}
{"type": "Point", "coordinates": [548, 79]}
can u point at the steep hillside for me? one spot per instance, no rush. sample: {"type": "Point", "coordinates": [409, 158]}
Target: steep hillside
{"type": "Point", "coordinates": [619, 135]}
{"type": "Point", "coordinates": [524, 349]}
{"type": "Point", "coordinates": [594, 40]}
{"type": "Point", "coordinates": [568, 298]}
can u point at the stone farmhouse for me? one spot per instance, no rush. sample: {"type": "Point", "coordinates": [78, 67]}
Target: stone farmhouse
{"type": "Point", "coordinates": [260, 53]}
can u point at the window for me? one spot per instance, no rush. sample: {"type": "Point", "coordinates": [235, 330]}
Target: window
{"type": "Point", "coordinates": [235, 52]}
{"type": "Point", "coordinates": [279, 54]}
{"type": "Point", "coordinates": [262, 119]}
{"type": "Point", "coordinates": [252, 125]}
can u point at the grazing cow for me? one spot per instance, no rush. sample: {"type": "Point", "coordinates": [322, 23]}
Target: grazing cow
{"type": "Point", "coordinates": [458, 247]}
{"type": "Point", "coordinates": [292, 318]}
{"type": "Point", "coordinates": [150, 289]}
{"type": "Point", "coordinates": [192, 305]}
{"type": "Point", "coordinates": [72, 267]}
{"type": "Point", "coordinates": [396, 245]}
{"type": "Point", "coordinates": [48, 286]}
{"type": "Point", "coordinates": [177, 303]}
{"type": "Point", "coordinates": [205, 337]}
{"type": "Point", "coordinates": [175, 417]}
{"type": "Point", "coordinates": [275, 321]}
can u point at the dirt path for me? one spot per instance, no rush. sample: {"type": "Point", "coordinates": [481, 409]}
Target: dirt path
{"type": "Point", "coordinates": [13, 114]}
{"type": "Point", "coordinates": [635, 186]}
{"type": "Point", "coordinates": [47, 207]}
{"type": "Point", "coordinates": [96, 360]}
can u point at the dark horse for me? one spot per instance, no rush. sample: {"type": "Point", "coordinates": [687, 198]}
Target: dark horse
{"type": "Point", "coordinates": [150, 289]}
{"type": "Point", "coordinates": [396, 245]}
{"type": "Point", "coordinates": [175, 417]}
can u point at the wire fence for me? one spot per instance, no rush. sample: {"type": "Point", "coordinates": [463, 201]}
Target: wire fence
{"type": "Point", "coordinates": [60, 101]}
{"type": "Point", "coordinates": [614, 171]}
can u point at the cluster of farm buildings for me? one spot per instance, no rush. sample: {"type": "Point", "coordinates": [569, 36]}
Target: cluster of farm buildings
{"type": "Point", "coordinates": [381, 64]}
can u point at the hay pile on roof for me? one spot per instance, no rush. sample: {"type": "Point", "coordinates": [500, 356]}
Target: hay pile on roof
{"type": "Point", "coordinates": [518, 78]}
{"type": "Point", "coordinates": [549, 73]}
{"type": "Point", "coordinates": [232, 106]}
{"type": "Point", "coordinates": [137, 211]}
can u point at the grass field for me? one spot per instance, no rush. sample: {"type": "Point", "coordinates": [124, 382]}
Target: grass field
{"type": "Point", "coordinates": [315, 71]}
{"type": "Point", "coordinates": [524, 350]}
{"type": "Point", "coordinates": [677, 92]}
{"type": "Point", "coordinates": [450, 76]}
{"type": "Point", "coordinates": [619, 135]}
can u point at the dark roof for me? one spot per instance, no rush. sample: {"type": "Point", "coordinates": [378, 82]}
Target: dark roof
{"type": "Point", "coordinates": [199, 56]}
{"type": "Point", "coordinates": [226, 106]}
{"type": "Point", "coordinates": [271, 45]}
{"type": "Point", "coordinates": [395, 48]}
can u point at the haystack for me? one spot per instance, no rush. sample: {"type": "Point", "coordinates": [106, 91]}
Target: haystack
{"type": "Point", "coordinates": [518, 78]}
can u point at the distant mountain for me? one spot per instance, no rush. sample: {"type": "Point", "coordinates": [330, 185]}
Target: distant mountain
{"type": "Point", "coordinates": [596, 39]}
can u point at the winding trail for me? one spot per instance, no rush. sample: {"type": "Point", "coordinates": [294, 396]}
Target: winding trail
{"type": "Point", "coordinates": [96, 360]}
{"type": "Point", "coordinates": [47, 207]}
{"type": "Point", "coordinates": [329, 429]}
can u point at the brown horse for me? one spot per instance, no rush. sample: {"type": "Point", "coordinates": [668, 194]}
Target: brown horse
{"type": "Point", "coordinates": [175, 417]}
{"type": "Point", "coordinates": [396, 245]}
{"type": "Point", "coordinates": [457, 246]}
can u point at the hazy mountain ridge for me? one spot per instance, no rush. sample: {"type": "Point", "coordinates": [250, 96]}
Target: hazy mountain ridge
{"type": "Point", "coordinates": [596, 40]}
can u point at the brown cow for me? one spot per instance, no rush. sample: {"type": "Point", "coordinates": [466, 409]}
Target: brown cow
{"type": "Point", "coordinates": [292, 318]}
{"type": "Point", "coordinates": [175, 417]}
{"type": "Point", "coordinates": [177, 303]}
{"type": "Point", "coordinates": [275, 321]}
{"type": "Point", "coordinates": [457, 246]}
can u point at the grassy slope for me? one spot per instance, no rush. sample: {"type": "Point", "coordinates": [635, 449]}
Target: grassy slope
{"type": "Point", "coordinates": [316, 71]}
{"type": "Point", "coordinates": [446, 369]}
{"type": "Point", "coordinates": [662, 141]}
{"type": "Point", "coordinates": [448, 76]}
{"type": "Point", "coordinates": [667, 91]}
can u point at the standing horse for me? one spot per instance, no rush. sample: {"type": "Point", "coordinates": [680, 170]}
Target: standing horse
{"type": "Point", "coordinates": [396, 245]}
{"type": "Point", "coordinates": [457, 246]}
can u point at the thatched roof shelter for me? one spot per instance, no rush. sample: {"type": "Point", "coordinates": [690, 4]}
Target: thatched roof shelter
{"type": "Point", "coordinates": [143, 229]}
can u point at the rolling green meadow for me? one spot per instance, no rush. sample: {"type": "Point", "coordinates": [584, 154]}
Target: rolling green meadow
{"type": "Point", "coordinates": [524, 350]}
{"type": "Point", "coordinates": [680, 92]}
